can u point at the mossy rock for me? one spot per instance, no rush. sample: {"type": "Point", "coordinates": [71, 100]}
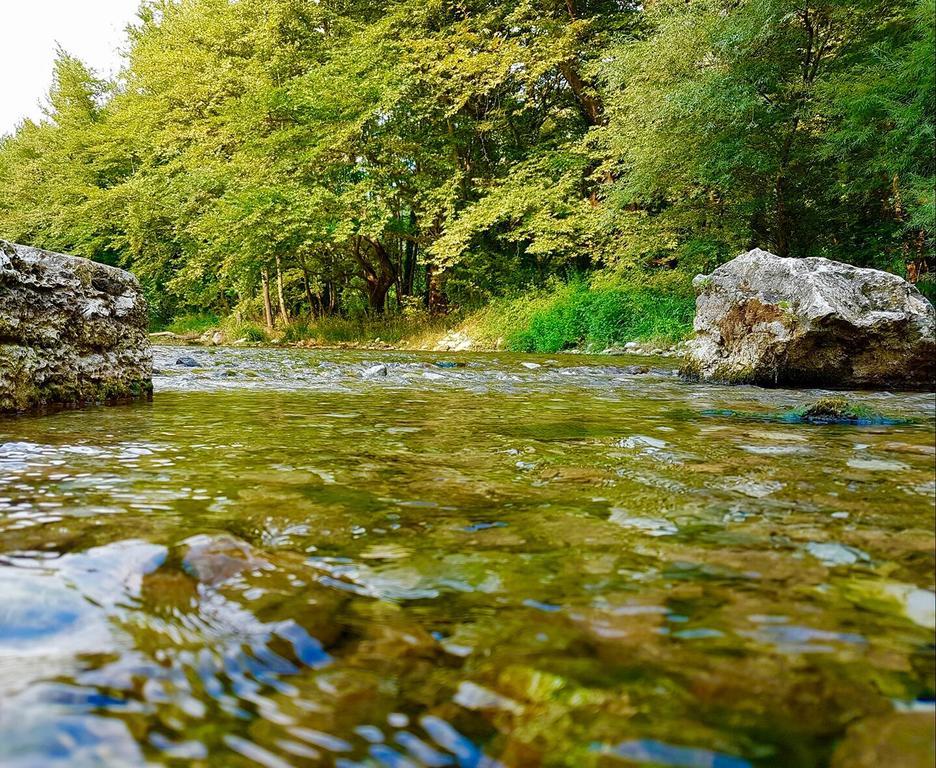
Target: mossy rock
{"type": "Point", "coordinates": [837, 410]}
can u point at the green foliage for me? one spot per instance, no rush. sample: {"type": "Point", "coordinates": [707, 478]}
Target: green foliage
{"type": "Point", "coordinates": [195, 323]}
{"type": "Point", "coordinates": [803, 129]}
{"type": "Point", "coordinates": [235, 330]}
{"type": "Point", "coordinates": [597, 314]}
{"type": "Point", "coordinates": [354, 158]}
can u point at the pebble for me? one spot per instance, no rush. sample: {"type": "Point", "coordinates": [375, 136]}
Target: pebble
{"type": "Point", "coordinates": [652, 526]}
{"type": "Point", "coordinates": [374, 371]}
{"type": "Point", "coordinates": [830, 553]}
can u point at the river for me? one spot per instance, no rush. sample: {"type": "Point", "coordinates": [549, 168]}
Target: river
{"type": "Point", "coordinates": [300, 558]}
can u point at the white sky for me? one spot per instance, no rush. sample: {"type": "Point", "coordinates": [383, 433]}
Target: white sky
{"type": "Point", "coordinates": [92, 30]}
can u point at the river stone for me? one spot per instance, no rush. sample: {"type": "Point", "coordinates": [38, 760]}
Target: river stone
{"type": "Point", "coordinates": [762, 319]}
{"type": "Point", "coordinates": [906, 739]}
{"type": "Point", "coordinates": [72, 331]}
{"type": "Point", "coordinates": [215, 559]}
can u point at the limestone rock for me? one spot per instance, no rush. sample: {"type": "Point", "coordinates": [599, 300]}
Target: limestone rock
{"type": "Point", "coordinates": [454, 341]}
{"type": "Point", "coordinates": [762, 319]}
{"type": "Point", "coordinates": [72, 331]}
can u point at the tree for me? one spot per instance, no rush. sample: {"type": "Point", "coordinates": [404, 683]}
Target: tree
{"type": "Point", "coordinates": [286, 158]}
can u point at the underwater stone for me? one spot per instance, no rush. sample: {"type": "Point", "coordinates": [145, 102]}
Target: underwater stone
{"type": "Point", "coordinates": [374, 371]}
{"type": "Point", "coordinates": [907, 739]}
{"type": "Point", "coordinates": [72, 332]}
{"type": "Point", "coordinates": [837, 410]}
{"type": "Point", "coordinates": [762, 319]}
{"type": "Point", "coordinates": [215, 559]}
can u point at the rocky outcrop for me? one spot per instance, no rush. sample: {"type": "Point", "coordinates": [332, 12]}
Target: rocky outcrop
{"type": "Point", "coordinates": [762, 319]}
{"type": "Point", "coordinates": [72, 332]}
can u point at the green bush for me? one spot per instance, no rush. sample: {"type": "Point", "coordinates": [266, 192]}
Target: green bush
{"type": "Point", "coordinates": [927, 286]}
{"type": "Point", "coordinates": [602, 314]}
{"type": "Point", "coordinates": [298, 330]}
{"type": "Point", "coordinates": [234, 330]}
{"type": "Point", "coordinates": [193, 323]}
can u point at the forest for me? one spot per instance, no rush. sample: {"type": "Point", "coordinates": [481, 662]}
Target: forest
{"type": "Point", "coordinates": [283, 161]}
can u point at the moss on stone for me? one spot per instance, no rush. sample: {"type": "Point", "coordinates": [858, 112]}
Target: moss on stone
{"type": "Point", "coordinates": [837, 410]}
{"type": "Point", "coordinates": [690, 369]}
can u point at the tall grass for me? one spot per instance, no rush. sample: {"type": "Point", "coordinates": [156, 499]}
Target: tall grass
{"type": "Point", "coordinates": [388, 329]}
{"type": "Point", "coordinates": [198, 322]}
{"type": "Point", "coordinates": [236, 329]}
{"type": "Point", "coordinates": [581, 314]}
{"type": "Point", "coordinates": [592, 315]}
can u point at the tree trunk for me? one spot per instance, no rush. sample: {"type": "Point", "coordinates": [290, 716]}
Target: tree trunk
{"type": "Point", "coordinates": [379, 275]}
{"type": "Point", "coordinates": [435, 290]}
{"type": "Point", "coordinates": [308, 291]}
{"type": "Point", "coordinates": [781, 220]}
{"type": "Point", "coordinates": [267, 303]}
{"type": "Point", "coordinates": [284, 315]}
{"type": "Point", "coordinates": [377, 295]}
{"type": "Point", "coordinates": [589, 103]}
{"type": "Point", "coordinates": [409, 261]}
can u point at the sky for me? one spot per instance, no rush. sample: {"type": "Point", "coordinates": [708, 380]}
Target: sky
{"type": "Point", "coordinates": [92, 30]}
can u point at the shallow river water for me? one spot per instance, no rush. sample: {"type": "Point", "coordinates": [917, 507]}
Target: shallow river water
{"type": "Point", "coordinates": [525, 561]}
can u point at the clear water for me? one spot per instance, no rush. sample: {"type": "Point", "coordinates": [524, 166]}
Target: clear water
{"type": "Point", "coordinates": [280, 561]}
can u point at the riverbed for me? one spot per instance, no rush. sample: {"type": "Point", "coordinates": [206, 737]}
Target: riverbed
{"type": "Point", "coordinates": [319, 557]}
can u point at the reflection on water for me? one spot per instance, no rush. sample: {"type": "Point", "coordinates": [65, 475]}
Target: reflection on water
{"type": "Point", "coordinates": [290, 559]}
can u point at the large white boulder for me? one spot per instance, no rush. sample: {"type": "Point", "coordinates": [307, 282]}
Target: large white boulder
{"type": "Point", "coordinates": [762, 319]}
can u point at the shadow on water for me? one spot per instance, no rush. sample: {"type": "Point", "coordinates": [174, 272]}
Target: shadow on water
{"type": "Point", "coordinates": [291, 558]}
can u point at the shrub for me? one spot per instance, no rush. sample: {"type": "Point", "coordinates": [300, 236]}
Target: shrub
{"type": "Point", "coordinates": [602, 313]}
{"type": "Point", "coordinates": [234, 330]}
{"type": "Point", "coordinates": [193, 323]}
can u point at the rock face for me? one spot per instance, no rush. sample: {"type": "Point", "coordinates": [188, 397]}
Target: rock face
{"type": "Point", "coordinates": [762, 319]}
{"type": "Point", "coordinates": [72, 331]}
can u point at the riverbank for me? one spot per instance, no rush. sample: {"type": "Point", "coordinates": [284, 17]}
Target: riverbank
{"type": "Point", "coordinates": [454, 340]}
{"type": "Point", "coordinates": [601, 315]}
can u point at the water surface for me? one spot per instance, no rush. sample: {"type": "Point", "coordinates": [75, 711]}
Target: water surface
{"type": "Point", "coordinates": [290, 558]}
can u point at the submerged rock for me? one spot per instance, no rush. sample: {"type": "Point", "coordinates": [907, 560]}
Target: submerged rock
{"type": "Point", "coordinates": [215, 559]}
{"type": "Point", "coordinates": [906, 739]}
{"type": "Point", "coordinates": [374, 371]}
{"type": "Point", "coordinates": [72, 331]}
{"type": "Point", "coordinates": [762, 319]}
{"type": "Point", "coordinates": [837, 410]}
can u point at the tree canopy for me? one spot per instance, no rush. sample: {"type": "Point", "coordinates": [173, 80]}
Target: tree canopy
{"type": "Point", "coordinates": [291, 157]}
